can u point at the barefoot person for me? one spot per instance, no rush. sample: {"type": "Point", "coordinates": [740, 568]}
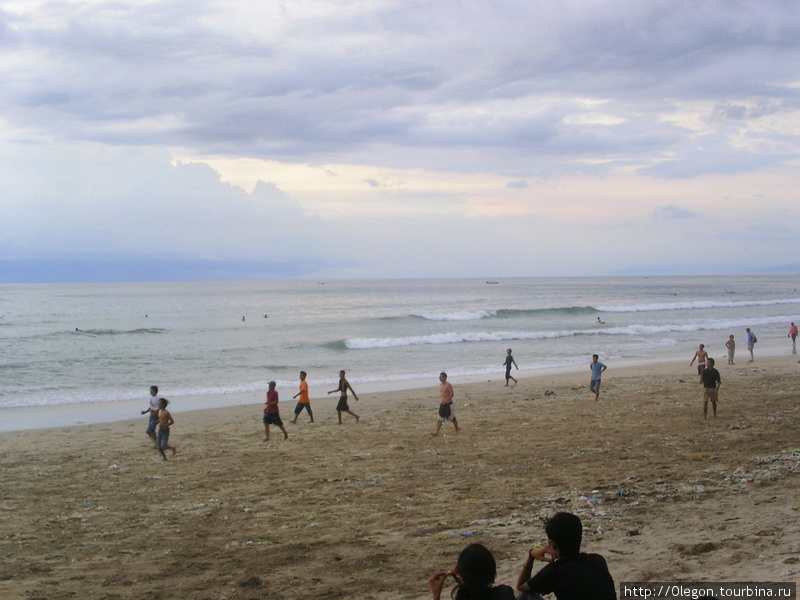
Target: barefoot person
{"type": "Point", "coordinates": [165, 420]}
{"type": "Point", "coordinates": [711, 382]}
{"type": "Point", "coordinates": [751, 342]}
{"type": "Point", "coordinates": [271, 412]}
{"type": "Point", "coordinates": [510, 361]}
{"type": "Point", "coordinates": [304, 403]}
{"type": "Point", "coordinates": [342, 406]}
{"type": "Point", "coordinates": [597, 370]}
{"type": "Point", "coordinates": [731, 346]}
{"type": "Point", "coordinates": [152, 410]}
{"type": "Point", "coordinates": [700, 355]}
{"type": "Point", "coordinates": [793, 335]}
{"type": "Point", "coordinates": [446, 412]}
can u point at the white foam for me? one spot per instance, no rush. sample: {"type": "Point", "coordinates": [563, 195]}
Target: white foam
{"type": "Point", "coordinates": [472, 315]}
{"type": "Point", "coordinates": [697, 304]}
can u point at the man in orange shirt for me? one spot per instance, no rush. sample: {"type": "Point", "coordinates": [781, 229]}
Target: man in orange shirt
{"type": "Point", "coordinates": [304, 402]}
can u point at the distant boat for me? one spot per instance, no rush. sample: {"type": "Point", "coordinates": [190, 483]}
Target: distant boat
{"type": "Point", "coordinates": [492, 282]}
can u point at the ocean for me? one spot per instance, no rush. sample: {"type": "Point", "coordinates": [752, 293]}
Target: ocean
{"type": "Point", "coordinates": [89, 344]}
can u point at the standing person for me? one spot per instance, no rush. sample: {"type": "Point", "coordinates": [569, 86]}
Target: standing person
{"type": "Point", "coordinates": [153, 410]}
{"type": "Point", "coordinates": [751, 341]}
{"type": "Point", "coordinates": [272, 413]}
{"type": "Point", "coordinates": [569, 573]}
{"type": "Point", "coordinates": [304, 402]}
{"type": "Point", "coordinates": [731, 346]}
{"type": "Point", "coordinates": [793, 335]}
{"type": "Point", "coordinates": [446, 412]}
{"type": "Point", "coordinates": [165, 420]}
{"type": "Point", "coordinates": [342, 406]}
{"type": "Point", "coordinates": [508, 362]}
{"type": "Point", "coordinates": [701, 356]}
{"type": "Point", "coordinates": [711, 383]}
{"type": "Point", "coordinates": [597, 370]}
{"type": "Point", "coordinates": [474, 575]}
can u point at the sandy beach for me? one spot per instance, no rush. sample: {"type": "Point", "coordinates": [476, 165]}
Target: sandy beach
{"type": "Point", "coordinates": [368, 511]}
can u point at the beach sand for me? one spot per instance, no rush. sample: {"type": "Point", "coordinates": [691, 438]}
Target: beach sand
{"type": "Point", "coordinates": [369, 511]}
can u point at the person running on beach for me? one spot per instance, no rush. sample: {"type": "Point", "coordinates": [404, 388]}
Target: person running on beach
{"type": "Point", "coordinates": [271, 413]}
{"type": "Point", "coordinates": [751, 341]}
{"type": "Point", "coordinates": [446, 412]}
{"type": "Point", "coordinates": [510, 361]}
{"type": "Point", "coordinates": [304, 402]}
{"type": "Point", "coordinates": [731, 346]}
{"type": "Point", "coordinates": [153, 410]}
{"type": "Point", "coordinates": [711, 382]}
{"type": "Point", "coordinates": [342, 406]}
{"type": "Point", "coordinates": [597, 370]}
{"type": "Point", "coordinates": [165, 420]}
{"type": "Point", "coordinates": [793, 335]}
{"type": "Point", "coordinates": [701, 355]}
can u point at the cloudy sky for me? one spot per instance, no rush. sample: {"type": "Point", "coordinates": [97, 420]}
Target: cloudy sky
{"type": "Point", "coordinates": [201, 139]}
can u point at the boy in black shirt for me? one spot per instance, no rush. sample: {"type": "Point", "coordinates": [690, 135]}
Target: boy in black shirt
{"type": "Point", "coordinates": [711, 382]}
{"type": "Point", "coordinates": [570, 574]}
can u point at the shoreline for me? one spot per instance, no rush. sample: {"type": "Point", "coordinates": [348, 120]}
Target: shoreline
{"type": "Point", "coordinates": [25, 418]}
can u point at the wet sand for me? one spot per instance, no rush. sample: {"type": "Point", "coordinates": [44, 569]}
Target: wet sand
{"type": "Point", "coordinates": [368, 511]}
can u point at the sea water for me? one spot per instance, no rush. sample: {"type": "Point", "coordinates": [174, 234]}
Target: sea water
{"type": "Point", "coordinates": [77, 344]}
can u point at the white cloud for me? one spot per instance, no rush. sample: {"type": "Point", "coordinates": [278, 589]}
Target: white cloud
{"type": "Point", "coordinates": [145, 127]}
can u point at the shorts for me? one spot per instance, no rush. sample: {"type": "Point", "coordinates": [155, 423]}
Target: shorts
{"type": "Point", "coordinates": [594, 385]}
{"type": "Point", "coordinates": [710, 394]}
{"type": "Point", "coordinates": [794, 337]}
{"type": "Point", "coordinates": [446, 413]}
{"type": "Point", "coordinates": [342, 406]}
{"type": "Point", "coordinates": [273, 419]}
{"type": "Point", "coordinates": [163, 438]}
{"type": "Point", "coordinates": [151, 425]}
{"type": "Point", "coordinates": [700, 368]}
{"type": "Point", "coordinates": [300, 406]}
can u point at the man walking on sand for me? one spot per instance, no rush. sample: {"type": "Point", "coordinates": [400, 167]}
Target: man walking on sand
{"type": "Point", "coordinates": [508, 362]}
{"type": "Point", "coordinates": [751, 341]}
{"type": "Point", "coordinates": [701, 355]}
{"type": "Point", "coordinates": [165, 421]}
{"type": "Point", "coordinates": [793, 335]}
{"type": "Point", "coordinates": [304, 403]}
{"type": "Point", "coordinates": [446, 412]}
{"type": "Point", "coordinates": [272, 415]}
{"type": "Point", "coordinates": [342, 406]}
{"type": "Point", "coordinates": [711, 383]}
{"type": "Point", "coordinates": [597, 370]}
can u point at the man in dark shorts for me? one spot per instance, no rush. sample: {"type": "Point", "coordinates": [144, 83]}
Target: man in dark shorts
{"type": "Point", "coordinates": [304, 403]}
{"type": "Point", "coordinates": [445, 404]}
{"type": "Point", "coordinates": [272, 414]}
{"type": "Point", "coordinates": [508, 362]}
{"type": "Point", "coordinates": [342, 406]}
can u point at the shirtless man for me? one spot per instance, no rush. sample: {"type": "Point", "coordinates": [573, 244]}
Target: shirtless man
{"type": "Point", "coordinates": [701, 356]}
{"type": "Point", "coordinates": [445, 404]}
{"type": "Point", "coordinates": [342, 406]}
{"type": "Point", "coordinates": [164, 421]}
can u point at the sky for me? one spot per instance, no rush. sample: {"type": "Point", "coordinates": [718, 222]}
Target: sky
{"type": "Point", "coordinates": [232, 139]}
